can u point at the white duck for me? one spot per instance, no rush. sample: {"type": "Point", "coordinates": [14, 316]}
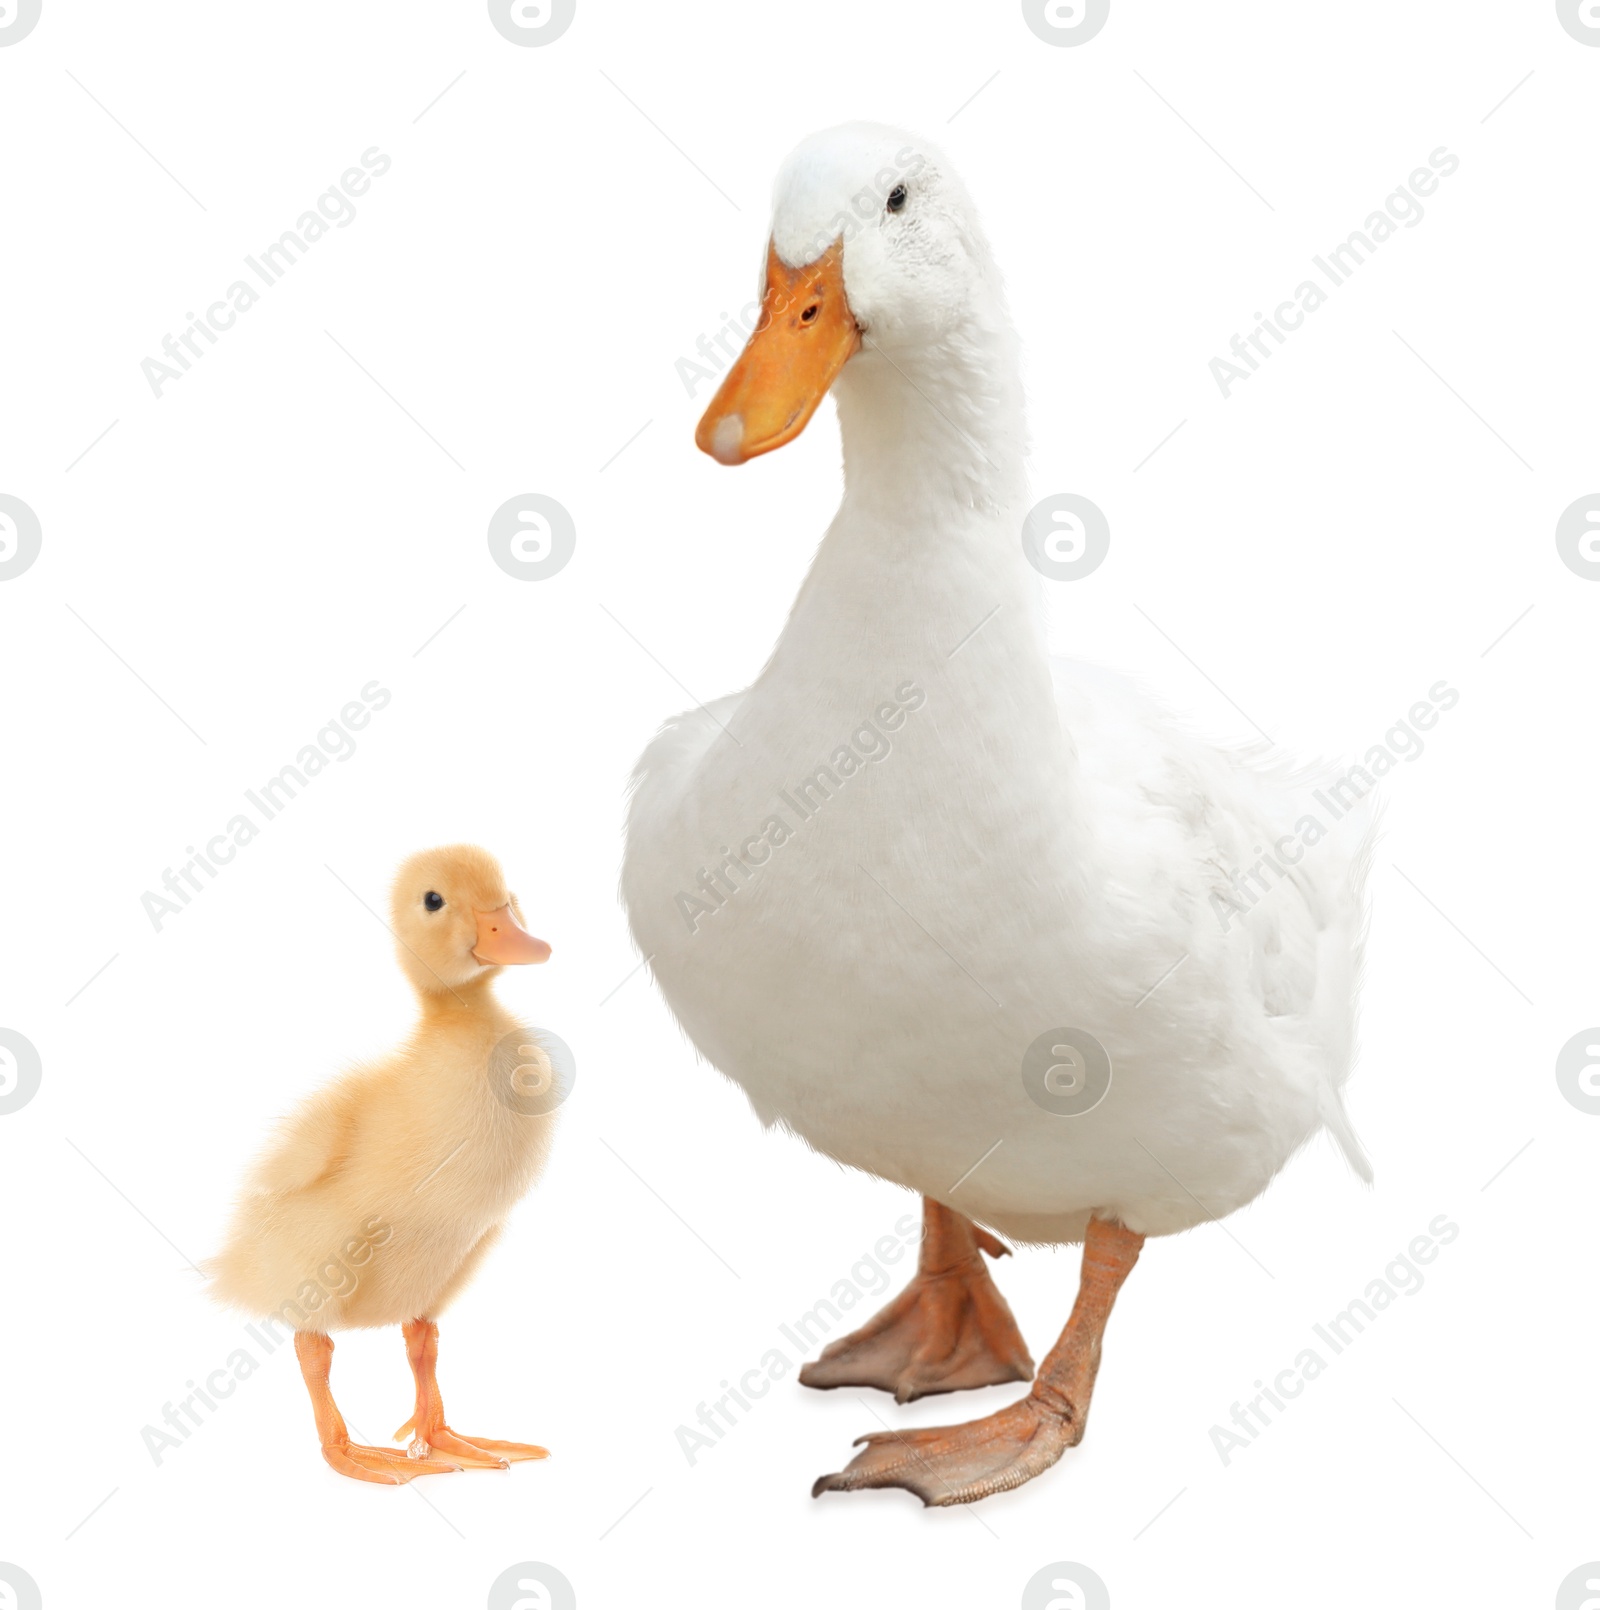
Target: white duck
{"type": "Point", "coordinates": [908, 886]}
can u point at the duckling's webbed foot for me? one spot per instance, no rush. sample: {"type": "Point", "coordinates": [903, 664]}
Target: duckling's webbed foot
{"type": "Point", "coordinates": [948, 1331]}
{"type": "Point", "coordinates": [386, 1466]}
{"type": "Point", "coordinates": [431, 1437]}
{"type": "Point", "coordinates": [475, 1453]}
{"type": "Point", "coordinates": [961, 1464]}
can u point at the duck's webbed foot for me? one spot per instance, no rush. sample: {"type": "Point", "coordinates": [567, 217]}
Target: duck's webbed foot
{"type": "Point", "coordinates": [949, 1330]}
{"type": "Point", "coordinates": [961, 1464]}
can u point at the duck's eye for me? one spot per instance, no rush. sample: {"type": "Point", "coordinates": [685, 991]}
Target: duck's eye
{"type": "Point", "coordinates": [433, 901]}
{"type": "Point", "coordinates": [897, 198]}
{"type": "Point", "coordinates": [809, 314]}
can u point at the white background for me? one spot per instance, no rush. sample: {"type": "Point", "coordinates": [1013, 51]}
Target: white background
{"type": "Point", "coordinates": [274, 532]}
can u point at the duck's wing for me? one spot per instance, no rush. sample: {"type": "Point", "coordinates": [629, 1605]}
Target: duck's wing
{"type": "Point", "coordinates": [1269, 877]}
{"type": "Point", "coordinates": [1297, 911]}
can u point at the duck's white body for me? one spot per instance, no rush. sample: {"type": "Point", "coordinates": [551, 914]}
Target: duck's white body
{"type": "Point", "coordinates": [1023, 845]}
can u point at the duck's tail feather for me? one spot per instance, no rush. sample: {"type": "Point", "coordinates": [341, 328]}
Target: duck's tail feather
{"type": "Point", "coordinates": [1340, 948]}
{"type": "Point", "coordinates": [1337, 1122]}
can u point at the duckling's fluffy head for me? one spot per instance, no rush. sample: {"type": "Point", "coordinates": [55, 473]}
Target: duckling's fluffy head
{"type": "Point", "coordinates": [915, 257]}
{"type": "Point", "coordinates": [444, 904]}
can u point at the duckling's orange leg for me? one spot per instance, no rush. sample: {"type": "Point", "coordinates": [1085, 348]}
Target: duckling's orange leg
{"type": "Point", "coordinates": [382, 1465]}
{"type": "Point", "coordinates": [950, 1329]}
{"type": "Point", "coordinates": [426, 1427]}
{"type": "Point", "coordinates": [960, 1464]}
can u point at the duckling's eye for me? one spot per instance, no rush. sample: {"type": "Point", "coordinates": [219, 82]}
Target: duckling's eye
{"type": "Point", "coordinates": [432, 900]}
{"type": "Point", "coordinates": [897, 198]}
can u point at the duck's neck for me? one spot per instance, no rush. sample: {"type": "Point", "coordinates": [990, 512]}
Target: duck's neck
{"type": "Point", "coordinates": [941, 424]}
{"type": "Point", "coordinates": [922, 573]}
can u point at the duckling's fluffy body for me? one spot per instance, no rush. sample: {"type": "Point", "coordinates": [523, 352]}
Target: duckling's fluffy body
{"type": "Point", "coordinates": [383, 1191]}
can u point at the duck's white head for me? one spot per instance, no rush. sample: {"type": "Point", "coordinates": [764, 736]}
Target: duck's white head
{"type": "Point", "coordinates": [875, 249]}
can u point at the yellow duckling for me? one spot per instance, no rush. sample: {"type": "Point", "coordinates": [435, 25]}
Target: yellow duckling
{"type": "Point", "coordinates": [383, 1192]}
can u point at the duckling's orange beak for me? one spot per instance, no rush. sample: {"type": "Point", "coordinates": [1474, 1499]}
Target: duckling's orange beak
{"type": "Point", "coordinates": [804, 337]}
{"type": "Point", "coordinates": [503, 941]}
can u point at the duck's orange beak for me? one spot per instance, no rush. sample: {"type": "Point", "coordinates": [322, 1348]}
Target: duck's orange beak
{"type": "Point", "coordinates": [805, 336]}
{"type": "Point", "coordinates": [503, 941]}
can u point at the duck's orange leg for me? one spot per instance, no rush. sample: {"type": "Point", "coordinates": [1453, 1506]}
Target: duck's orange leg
{"type": "Point", "coordinates": [383, 1465]}
{"type": "Point", "coordinates": [949, 1330]}
{"type": "Point", "coordinates": [960, 1464]}
{"type": "Point", "coordinates": [427, 1428]}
